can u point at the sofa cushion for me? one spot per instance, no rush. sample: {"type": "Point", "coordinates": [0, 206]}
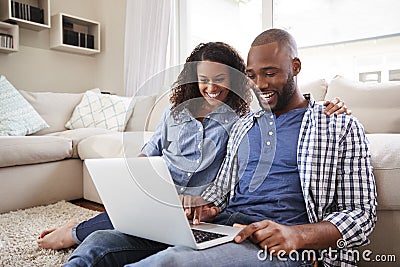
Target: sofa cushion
{"type": "Point", "coordinates": [141, 112]}
{"type": "Point", "coordinates": [17, 116]}
{"type": "Point", "coordinates": [156, 113]}
{"type": "Point", "coordinates": [385, 158]}
{"type": "Point", "coordinates": [375, 105]}
{"type": "Point", "coordinates": [55, 108]}
{"type": "Point", "coordinates": [78, 135]}
{"type": "Point", "coordinates": [101, 111]}
{"type": "Point", "coordinates": [22, 150]}
{"type": "Point", "coordinates": [114, 145]}
{"type": "Point", "coordinates": [316, 88]}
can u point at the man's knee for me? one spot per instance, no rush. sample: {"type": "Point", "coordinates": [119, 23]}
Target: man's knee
{"type": "Point", "coordinates": [170, 259]}
{"type": "Point", "coordinates": [173, 256]}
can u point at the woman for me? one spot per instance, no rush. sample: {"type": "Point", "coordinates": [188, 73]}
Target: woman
{"type": "Point", "coordinates": [208, 97]}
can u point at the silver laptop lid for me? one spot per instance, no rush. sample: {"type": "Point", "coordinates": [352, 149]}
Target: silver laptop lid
{"type": "Point", "coordinates": [140, 198]}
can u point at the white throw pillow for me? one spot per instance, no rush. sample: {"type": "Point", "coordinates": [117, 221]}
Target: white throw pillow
{"type": "Point", "coordinates": [376, 105]}
{"type": "Point", "coordinates": [54, 107]}
{"type": "Point", "coordinates": [316, 88]}
{"type": "Point", "coordinates": [17, 116]}
{"type": "Point", "coordinates": [101, 111]}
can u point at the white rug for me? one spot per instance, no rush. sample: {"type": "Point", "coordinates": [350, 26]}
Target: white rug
{"type": "Point", "coordinates": [20, 229]}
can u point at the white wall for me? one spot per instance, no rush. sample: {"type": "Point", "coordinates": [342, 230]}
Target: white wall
{"type": "Point", "coordinates": [35, 67]}
{"type": "Point", "coordinates": [110, 63]}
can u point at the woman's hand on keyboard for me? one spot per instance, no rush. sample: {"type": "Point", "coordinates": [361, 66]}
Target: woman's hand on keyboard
{"type": "Point", "coordinates": [198, 209]}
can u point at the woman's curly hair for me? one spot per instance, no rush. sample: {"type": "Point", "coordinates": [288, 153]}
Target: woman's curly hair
{"type": "Point", "coordinates": [186, 86]}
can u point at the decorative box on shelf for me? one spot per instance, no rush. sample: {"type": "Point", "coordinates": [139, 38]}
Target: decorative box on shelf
{"type": "Point", "coordinates": [73, 34]}
{"type": "Point", "coordinates": [30, 14]}
{"type": "Point", "coordinates": [9, 38]}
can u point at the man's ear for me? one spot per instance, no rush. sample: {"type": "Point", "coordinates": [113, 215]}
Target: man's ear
{"type": "Point", "coordinates": [296, 66]}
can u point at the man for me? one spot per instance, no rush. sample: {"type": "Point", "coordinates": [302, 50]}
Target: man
{"type": "Point", "coordinates": [314, 191]}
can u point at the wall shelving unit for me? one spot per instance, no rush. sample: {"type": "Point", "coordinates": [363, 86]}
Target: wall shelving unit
{"type": "Point", "coordinates": [75, 35]}
{"type": "Point", "coordinates": [25, 12]}
{"type": "Point", "coordinates": [10, 30]}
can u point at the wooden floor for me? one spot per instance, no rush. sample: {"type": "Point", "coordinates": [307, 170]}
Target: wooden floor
{"type": "Point", "coordinates": [88, 204]}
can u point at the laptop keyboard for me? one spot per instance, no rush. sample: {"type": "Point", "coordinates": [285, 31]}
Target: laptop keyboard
{"type": "Point", "coordinates": [203, 236]}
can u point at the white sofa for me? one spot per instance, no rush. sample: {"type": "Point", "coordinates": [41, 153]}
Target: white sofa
{"type": "Point", "coordinates": [47, 167]}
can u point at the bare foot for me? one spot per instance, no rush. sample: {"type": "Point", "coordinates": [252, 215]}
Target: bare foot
{"type": "Point", "coordinates": [57, 238]}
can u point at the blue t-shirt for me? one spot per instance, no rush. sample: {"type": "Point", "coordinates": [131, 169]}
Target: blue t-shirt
{"type": "Point", "coordinates": [265, 190]}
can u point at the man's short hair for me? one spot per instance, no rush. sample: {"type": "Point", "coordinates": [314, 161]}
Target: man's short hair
{"type": "Point", "coordinates": [282, 37]}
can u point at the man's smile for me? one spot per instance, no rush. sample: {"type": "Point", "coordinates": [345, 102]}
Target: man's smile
{"type": "Point", "coordinates": [267, 96]}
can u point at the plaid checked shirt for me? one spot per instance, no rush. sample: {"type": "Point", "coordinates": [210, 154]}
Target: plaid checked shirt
{"type": "Point", "coordinates": [335, 172]}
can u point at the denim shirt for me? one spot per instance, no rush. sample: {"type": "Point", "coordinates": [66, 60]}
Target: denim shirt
{"type": "Point", "coordinates": [193, 150]}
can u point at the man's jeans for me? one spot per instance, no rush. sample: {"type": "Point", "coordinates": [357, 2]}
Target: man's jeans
{"type": "Point", "coordinates": [229, 254]}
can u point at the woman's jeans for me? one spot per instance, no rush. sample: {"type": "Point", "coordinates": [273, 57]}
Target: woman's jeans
{"type": "Point", "coordinates": [83, 229]}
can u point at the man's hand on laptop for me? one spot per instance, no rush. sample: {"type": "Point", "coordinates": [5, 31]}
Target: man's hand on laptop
{"type": "Point", "coordinates": [270, 234]}
{"type": "Point", "coordinates": [198, 209]}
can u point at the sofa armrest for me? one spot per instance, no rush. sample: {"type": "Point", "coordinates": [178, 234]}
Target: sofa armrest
{"type": "Point", "coordinates": [113, 145]}
{"type": "Point", "coordinates": [385, 158]}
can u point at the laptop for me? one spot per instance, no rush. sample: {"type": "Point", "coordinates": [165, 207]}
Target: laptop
{"type": "Point", "coordinates": [140, 198]}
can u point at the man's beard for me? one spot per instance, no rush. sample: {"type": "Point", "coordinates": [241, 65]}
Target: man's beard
{"type": "Point", "coordinates": [287, 93]}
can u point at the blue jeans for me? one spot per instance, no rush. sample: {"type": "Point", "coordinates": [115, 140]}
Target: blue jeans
{"type": "Point", "coordinates": [84, 229]}
{"type": "Point", "coordinates": [113, 248]}
{"type": "Point", "coordinates": [229, 254]}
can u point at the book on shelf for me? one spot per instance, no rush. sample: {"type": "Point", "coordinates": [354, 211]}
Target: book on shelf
{"type": "Point", "coordinates": [82, 39]}
{"type": "Point", "coordinates": [89, 41]}
{"type": "Point", "coordinates": [6, 41]}
{"type": "Point", "coordinates": [36, 15]}
{"type": "Point", "coordinates": [70, 37]}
